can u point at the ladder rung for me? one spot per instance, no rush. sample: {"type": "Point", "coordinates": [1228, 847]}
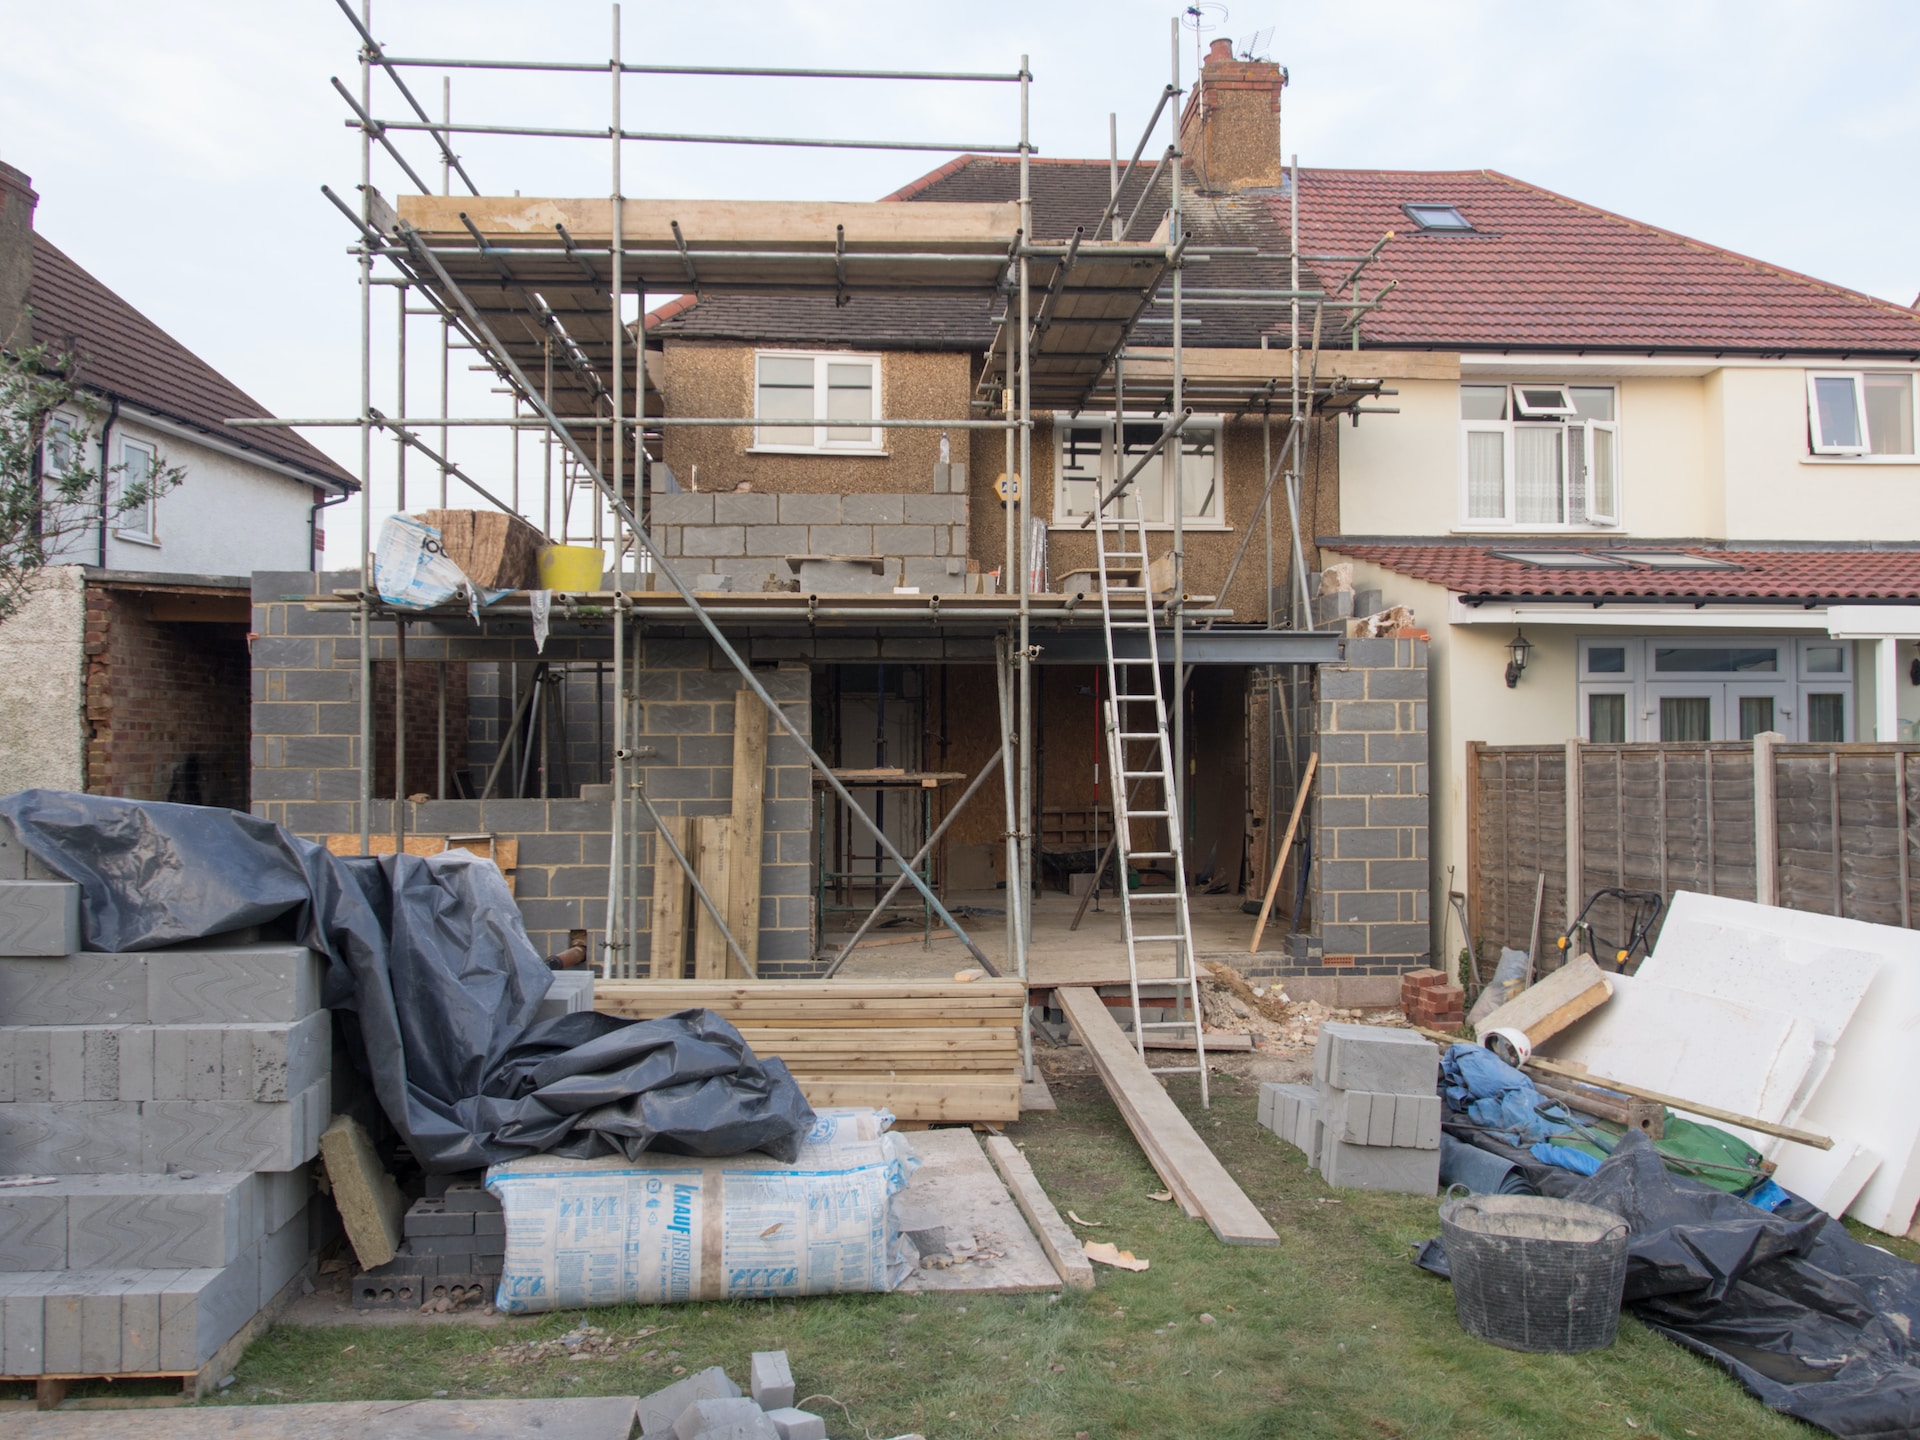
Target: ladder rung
{"type": "Point", "coordinates": [1139, 734]}
{"type": "Point", "coordinates": [1141, 774]}
{"type": "Point", "coordinates": [1143, 939]}
{"type": "Point", "coordinates": [1128, 625]}
{"type": "Point", "coordinates": [1136, 896]}
{"type": "Point", "coordinates": [1150, 854]}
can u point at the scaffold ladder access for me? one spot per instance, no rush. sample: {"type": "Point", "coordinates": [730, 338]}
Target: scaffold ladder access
{"type": "Point", "coordinates": [1154, 924]}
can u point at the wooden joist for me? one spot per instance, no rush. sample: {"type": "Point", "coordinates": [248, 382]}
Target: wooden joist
{"type": "Point", "coordinates": [713, 838]}
{"type": "Point", "coordinates": [667, 916]}
{"type": "Point", "coordinates": [749, 826]}
{"type": "Point", "coordinates": [1192, 1171]}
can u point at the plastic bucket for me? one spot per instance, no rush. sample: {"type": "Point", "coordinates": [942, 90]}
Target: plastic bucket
{"type": "Point", "coordinates": [571, 567]}
{"type": "Point", "coordinates": [1536, 1274]}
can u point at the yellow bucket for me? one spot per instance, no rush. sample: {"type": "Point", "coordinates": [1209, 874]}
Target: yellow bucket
{"type": "Point", "coordinates": [571, 567]}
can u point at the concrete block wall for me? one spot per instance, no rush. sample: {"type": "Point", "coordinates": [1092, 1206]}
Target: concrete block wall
{"type": "Point", "coordinates": [306, 759]}
{"type": "Point", "coordinates": [747, 537]}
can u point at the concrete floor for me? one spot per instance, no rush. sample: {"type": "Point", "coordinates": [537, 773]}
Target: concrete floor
{"type": "Point", "coordinates": [1091, 955]}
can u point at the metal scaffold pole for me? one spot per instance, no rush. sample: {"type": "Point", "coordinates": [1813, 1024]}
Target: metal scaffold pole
{"type": "Point", "coordinates": [1024, 936]}
{"type": "Point", "coordinates": [366, 445]}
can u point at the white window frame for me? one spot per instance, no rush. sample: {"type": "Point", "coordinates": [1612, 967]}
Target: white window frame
{"type": "Point", "coordinates": [1160, 474]}
{"type": "Point", "coordinates": [1591, 517]}
{"type": "Point", "coordinates": [874, 441]}
{"type": "Point", "coordinates": [61, 430]}
{"type": "Point", "coordinates": [1790, 686]}
{"type": "Point", "coordinates": [1525, 409]}
{"type": "Point", "coordinates": [140, 524]}
{"type": "Point", "coordinates": [1817, 443]}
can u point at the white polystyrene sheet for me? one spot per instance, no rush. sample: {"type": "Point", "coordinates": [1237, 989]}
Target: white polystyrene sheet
{"type": "Point", "coordinates": [1740, 1057]}
{"type": "Point", "coordinates": [1831, 1179]}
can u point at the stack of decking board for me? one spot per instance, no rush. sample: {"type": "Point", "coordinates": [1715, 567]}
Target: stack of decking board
{"type": "Point", "coordinates": [157, 1113]}
{"type": "Point", "coordinates": [925, 1051]}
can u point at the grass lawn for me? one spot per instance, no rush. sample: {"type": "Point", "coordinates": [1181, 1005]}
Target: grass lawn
{"type": "Point", "coordinates": [1334, 1333]}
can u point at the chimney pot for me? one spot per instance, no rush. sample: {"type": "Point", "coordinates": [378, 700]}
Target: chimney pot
{"type": "Point", "coordinates": [1220, 52]}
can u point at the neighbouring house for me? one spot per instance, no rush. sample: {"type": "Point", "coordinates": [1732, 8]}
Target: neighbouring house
{"type": "Point", "coordinates": [1664, 492]}
{"type": "Point", "coordinates": [127, 671]}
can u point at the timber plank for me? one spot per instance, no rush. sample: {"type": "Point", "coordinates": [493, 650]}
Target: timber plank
{"type": "Point", "coordinates": [669, 910]}
{"type": "Point", "coordinates": [954, 1097]}
{"type": "Point", "coordinates": [1061, 1244]}
{"type": "Point", "coordinates": [1547, 1007]}
{"type": "Point", "coordinates": [1163, 1132]}
{"type": "Point", "coordinates": [713, 836]}
{"type": "Point", "coordinates": [749, 826]}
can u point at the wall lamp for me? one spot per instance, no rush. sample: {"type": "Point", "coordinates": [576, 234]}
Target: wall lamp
{"type": "Point", "coordinates": [1518, 649]}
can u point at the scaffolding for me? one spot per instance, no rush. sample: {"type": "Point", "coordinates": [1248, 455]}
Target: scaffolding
{"type": "Point", "coordinates": [549, 299]}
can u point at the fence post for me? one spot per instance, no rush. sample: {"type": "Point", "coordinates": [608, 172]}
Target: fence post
{"type": "Point", "coordinates": [1576, 881]}
{"type": "Point", "coordinates": [1766, 830]}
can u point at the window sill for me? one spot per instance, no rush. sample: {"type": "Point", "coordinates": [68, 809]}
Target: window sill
{"type": "Point", "coordinates": [1908, 460]}
{"type": "Point", "coordinates": [1522, 531]}
{"type": "Point", "coordinates": [147, 540]}
{"type": "Point", "coordinates": [1210, 527]}
{"type": "Point", "coordinates": [846, 453]}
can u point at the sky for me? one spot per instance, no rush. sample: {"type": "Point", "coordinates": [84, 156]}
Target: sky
{"type": "Point", "coordinates": [179, 148]}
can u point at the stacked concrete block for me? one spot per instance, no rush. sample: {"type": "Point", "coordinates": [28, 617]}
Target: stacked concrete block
{"type": "Point", "coordinates": [1376, 1108]}
{"type": "Point", "coordinates": [763, 541]}
{"type": "Point", "coordinates": [168, 1102]}
{"type": "Point", "coordinates": [709, 1406]}
{"type": "Point", "coordinates": [571, 992]}
{"type": "Point", "coordinates": [1292, 1112]}
{"type": "Point", "coordinates": [453, 1248]}
{"type": "Point", "coordinates": [40, 917]}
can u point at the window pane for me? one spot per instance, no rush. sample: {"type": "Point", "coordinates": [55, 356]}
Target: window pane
{"type": "Point", "coordinates": [1541, 399]}
{"type": "Point", "coordinates": [1149, 490]}
{"type": "Point", "coordinates": [1576, 474]}
{"type": "Point", "coordinates": [1486, 475]}
{"type": "Point", "coordinates": [1602, 503]}
{"type": "Point", "coordinates": [1827, 719]}
{"type": "Point", "coordinates": [850, 397]}
{"type": "Point", "coordinates": [1839, 420]}
{"type": "Point", "coordinates": [62, 454]}
{"type": "Point", "coordinates": [1607, 719]}
{"type": "Point", "coordinates": [1483, 402]}
{"type": "Point", "coordinates": [1715, 659]}
{"type": "Point", "coordinates": [785, 392]}
{"type": "Point", "coordinates": [1607, 660]}
{"type": "Point", "coordinates": [1890, 414]}
{"type": "Point", "coordinates": [1756, 715]}
{"type": "Point", "coordinates": [1826, 660]}
{"type": "Point", "coordinates": [1686, 717]}
{"type": "Point", "coordinates": [1537, 479]}
{"type": "Point", "coordinates": [1593, 402]}
{"type": "Point", "coordinates": [1081, 450]}
{"type": "Point", "coordinates": [1199, 472]}
{"type": "Point", "coordinates": [136, 463]}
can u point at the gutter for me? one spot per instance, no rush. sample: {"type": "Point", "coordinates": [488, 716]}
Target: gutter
{"type": "Point", "coordinates": [313, 526]}
{"type": "Point", "coordinates": [1699, 602]}
{"type": "Point", "coordinates": [237, 452]}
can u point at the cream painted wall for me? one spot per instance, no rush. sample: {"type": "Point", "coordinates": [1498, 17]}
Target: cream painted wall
{"type": "Point", "coordinates": [1400, 475]}
{"type": "Point", "coordinates": [42, 695]}
{"type": "Point", "coordinates": [1776, 491]}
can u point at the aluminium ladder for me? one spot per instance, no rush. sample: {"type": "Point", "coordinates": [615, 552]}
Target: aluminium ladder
{"type": "Point", "coordinates": [1135, 720]}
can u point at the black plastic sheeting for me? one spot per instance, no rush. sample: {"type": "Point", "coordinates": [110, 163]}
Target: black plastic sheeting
{"type": "Point", "coordinates": [430, 964]}
{"type": "Point", "coordinates": [1814, 1323]}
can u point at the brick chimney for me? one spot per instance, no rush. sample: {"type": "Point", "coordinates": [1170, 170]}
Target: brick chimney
{"type": "Point", "coordinates": [1231, 129]}
{"type": "Point", "coordinates": [16, 255]}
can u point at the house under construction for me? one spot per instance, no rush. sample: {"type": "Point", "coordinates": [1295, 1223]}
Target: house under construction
{"type": "Point", "coordinates": [958, 583]}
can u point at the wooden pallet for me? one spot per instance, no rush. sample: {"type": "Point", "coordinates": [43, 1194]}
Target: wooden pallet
{"type": "Point", "coordinates": [932, 1051]}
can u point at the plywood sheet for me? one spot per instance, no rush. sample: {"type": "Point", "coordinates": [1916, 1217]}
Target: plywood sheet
{"type": "Point", "coordinates": [956, 1184]}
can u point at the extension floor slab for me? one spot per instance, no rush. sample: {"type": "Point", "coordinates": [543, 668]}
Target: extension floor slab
{"type": "Point", "coordinates": [607, 1418]}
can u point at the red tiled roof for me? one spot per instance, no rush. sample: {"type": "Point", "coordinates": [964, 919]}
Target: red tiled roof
{"type": "Point", "coordinates": [124, 353]}
{"type": "Point", "coordinates": [1864, 573]}
{"type": "Point", "coordinates": [1543, 271]}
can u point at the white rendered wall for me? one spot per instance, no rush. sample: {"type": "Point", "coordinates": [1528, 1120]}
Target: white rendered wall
{"type": "Point", "coordinates": [42, 691]}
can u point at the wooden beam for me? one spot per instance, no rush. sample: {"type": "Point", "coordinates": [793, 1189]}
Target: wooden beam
{"type": "Point", "coordinates": [749, 826]}
{"type": "Point", "coordinates": [1182, 1159]}
{"type": "Point", "coordinates": [1543, 1010]}
{"type": "Point", "coordinates": [713, 839]}
{"type": "Point", "coordinates": [668, 914]}
{"type": "Point", "coordinates": [1061, 1244]}
{"type": "Point", "coordinates": [1224, 364]}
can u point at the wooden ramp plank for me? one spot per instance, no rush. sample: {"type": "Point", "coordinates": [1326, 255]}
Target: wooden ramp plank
{"type": "Point", "coordinates": [1183, 1160]}
{"type": "Point", "coordinates": [1060, 1243]}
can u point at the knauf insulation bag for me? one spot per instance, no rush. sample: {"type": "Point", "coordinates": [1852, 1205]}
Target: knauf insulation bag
{"type": "Point", "coordinates": [616, 1231]}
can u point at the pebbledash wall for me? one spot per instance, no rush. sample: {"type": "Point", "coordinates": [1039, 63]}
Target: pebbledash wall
{"type": "Point", "coordinates": [306, 758]}
{"type": "Point", "coordinates": [1369, 883]}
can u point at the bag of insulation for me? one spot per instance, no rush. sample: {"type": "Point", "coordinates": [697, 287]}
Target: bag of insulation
{"type": "Point", "coordinates": [614, 1231]}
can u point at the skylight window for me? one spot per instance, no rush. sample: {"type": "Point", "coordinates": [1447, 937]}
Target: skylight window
{"type": "Point", "coordinates": [1670, 560]}
{"type": "Point", "coordinates": [1561, 559]}
{"type": "Point", "coordinates": [1437, 217]}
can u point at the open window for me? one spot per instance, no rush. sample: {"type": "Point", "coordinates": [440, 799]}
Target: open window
{"type": "Point", "coordinates": [832, 400]}
{"type": "Point", "coordinates": [1536, 402]}
{"type": "Point", "coordinates": [1539, 456]}
{"type": "Point", "coordinates": [1860, 412]}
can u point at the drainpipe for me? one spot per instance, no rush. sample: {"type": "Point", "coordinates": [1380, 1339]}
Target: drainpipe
{"type": "Point", "coordinates": [313, 525]}
{"type": "Point", "coordinates": [113, 413]}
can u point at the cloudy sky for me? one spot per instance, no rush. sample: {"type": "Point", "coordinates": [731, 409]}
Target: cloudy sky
{"type": "Point", "coordinates": [179, 148]}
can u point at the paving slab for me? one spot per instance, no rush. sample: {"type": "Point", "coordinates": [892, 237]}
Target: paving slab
{"type": "Point", "coordinates": [956, 1182]}
{"type": "Point", "coordinates": [603, 1418]}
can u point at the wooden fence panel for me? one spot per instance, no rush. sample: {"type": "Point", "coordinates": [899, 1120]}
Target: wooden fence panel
{"type": "Point", "coordinates": [1671, 817]}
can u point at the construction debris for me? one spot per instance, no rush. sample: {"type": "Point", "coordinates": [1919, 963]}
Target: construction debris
{"type": "Point", "coordinates": [1108, 1254]}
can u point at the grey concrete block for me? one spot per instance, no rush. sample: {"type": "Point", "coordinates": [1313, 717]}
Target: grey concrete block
{"type": "Point", "coordinates": [746, 509]}
{"type": "Point", "coordinates": [280, 1195]}
{"type": "Point", "coordinates": [283, 1255]}
{"type": "Point", "coordinates": [22, 1334]}
{"type": "Point", "coordinates": [201, 1310]}
{"type": "Point", "coordinates": [139, 1327]}
{"type": "Point", "coordinates": [723, 1419]}
{"type": "Point", "coordinates": [701, 540]}
{"type": "Point", "coordinates": [809, 509]}
{"type": "Point", "coordinates": [33, 1231]}
{"type": "Point", "coordinates": [791, 1424]}
{"type": "Point", "coordinates": [100, 1326]}
{"type": "Point", "coordinates": [1379, 1167]}
{"type": "Point", "coordinates": [89, 1138]}
{"type": "Point", "coordinates": [240, 985]}
{"type": "Point", "coordinates": [936, 509]}
{"type": "Point", "coordinates": [683, 509]}
{"type": "Point", "coordinates": [571, 991]}
{"type": "Point", "coordinates": [427, 1217]}
{"type": "Point", "coordinates": [39, 917]}
{"type": "Point", "coordinates": [903, 539]}
{"type": "Point", "coordinates": [233, 1135]}
{"type": "Point", "coordinates": [873, 509]}
{"type": "Point", "coordinates": [193, 1221]}
{"type": "Point", "coordinates": [771, 1379]}
{"type": "Point", "coordinates": [843, 577]}
{"type": "Point", "coordinates": [1376, 1058]}
{"type": "Point", "coordinates": [935, 576]}
{"type": "Point", "coordinates": [844, 540]}
{"type": "Point", "coordinates": [659, 1410]}
{"type": "Point", "coordinates": [470, 1196]}
{"type": "Point", "coordinates": [773, 540]}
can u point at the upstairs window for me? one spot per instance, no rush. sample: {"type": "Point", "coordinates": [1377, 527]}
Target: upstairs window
{"type": "Point", "coordinates": [1089, 463]}
{"type": "Point", "coordinates": [1860, 412]}
{"type": "Point", "coordinates": [138, 461]}
{"type": "Point", "coordinates": [840, 392]}
{"type": "Point", "coordinates": [60, 448]}
{"type": "Point", "coordinates": [1539, 456]}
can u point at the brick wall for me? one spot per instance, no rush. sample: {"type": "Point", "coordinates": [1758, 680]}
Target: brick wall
{"type": "Point", "coordinates": [306, 759]}
{"type": "Point", "coordinates": [423, 724]}
{"type": "Point", "coordinates": [166, 704]}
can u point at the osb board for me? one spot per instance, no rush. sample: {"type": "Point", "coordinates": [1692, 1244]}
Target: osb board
{"type": "Point", "coordinates": [957, 1183]}
{"type": "Point", "coordinates": [504, 853]}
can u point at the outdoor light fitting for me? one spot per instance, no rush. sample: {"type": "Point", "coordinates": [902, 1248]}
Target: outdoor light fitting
{"type": "Point", "coordinates": [1518, 649]}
